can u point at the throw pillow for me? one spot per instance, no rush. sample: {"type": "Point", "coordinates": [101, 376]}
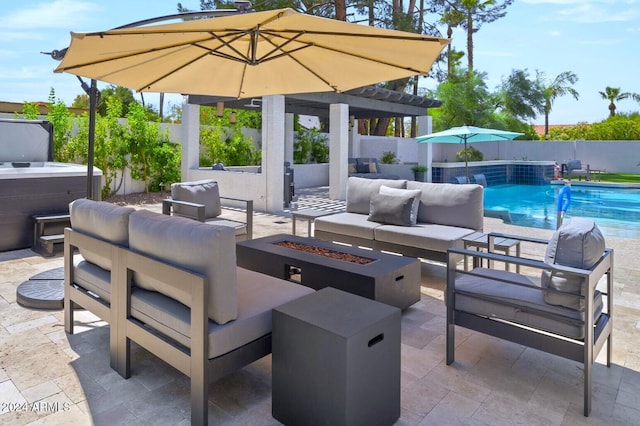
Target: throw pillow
{"type": "Point", "coordinates": [391, 209]}
{"type": "Point", "coordinates": [352, 168]}
{"type": "Point", "coordinates": [415, 194]}
{"type": "Point", "coordinates": [577, 244]}
{"type": "Point", "coordinates": [362, 167]}
{"type": "Point", "coordinates": [373, 168]}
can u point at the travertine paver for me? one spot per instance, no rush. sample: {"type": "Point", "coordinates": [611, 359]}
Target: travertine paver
{"type": "Point", "coordinates": [66, 379]}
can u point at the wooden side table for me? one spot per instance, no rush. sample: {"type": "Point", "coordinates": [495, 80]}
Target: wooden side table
{"type": "Point", "coordinates": [479, 241]}
{"type": "Point", "coordinates": [309, 215]}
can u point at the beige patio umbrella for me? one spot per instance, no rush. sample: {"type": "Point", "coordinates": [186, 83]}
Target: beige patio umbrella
{"type": "Point", "coordinates": [250, 55]}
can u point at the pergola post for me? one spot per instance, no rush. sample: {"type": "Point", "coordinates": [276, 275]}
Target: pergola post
{"type": "Point", "coordinates": [338, 150]}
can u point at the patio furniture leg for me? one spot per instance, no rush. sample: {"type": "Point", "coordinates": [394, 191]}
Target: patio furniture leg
{"type": "Point", "coordinates": [450, 333]}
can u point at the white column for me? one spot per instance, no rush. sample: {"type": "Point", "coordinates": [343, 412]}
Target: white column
{"type": "Point", "coordinates": [338, 150]}
{"type": "Point", "coordinates": [190, 138]}
{"type": "Point", "coordinates": [273, 134]}
{"type": "Point", "coordinates": [288, 138]}
{"type": "Point", "coordinates": [425, 150]}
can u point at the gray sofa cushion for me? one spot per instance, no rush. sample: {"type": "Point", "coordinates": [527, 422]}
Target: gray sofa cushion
{"type": "Point", "coordinates": [450, 204]}
{"type": "Point", "coordinates": [91, 277]}
{"type": "Point", "coordinates": [349, 224]}
{"type": "Point", "coordinates": [428, 236]}
{"type": "Point", "coordinates": [577, 244]}
{"type": "Point", "coordinates": [391, 209]}
{"type": "Point", "coordinates": [486, 295]}
{"type": "Point", "coordinates": [359, 191]}
{"type": "Point", "coordinates": [258, 294]}
{"type": "Point", "coordinates": [205, 192]}
{"type": "Point", "coordinates": [102, 220]}
{"type": "Point", "coordinates": [206, 249]}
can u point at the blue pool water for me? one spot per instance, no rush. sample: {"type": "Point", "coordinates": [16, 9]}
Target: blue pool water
{"type": "Point", "coordinates": [616, 211]}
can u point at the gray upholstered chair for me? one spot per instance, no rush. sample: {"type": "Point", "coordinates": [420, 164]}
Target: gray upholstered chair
{"type": "Point", "coordinates": [201, 200]}
{"type": "Point", "coordinates": [555, 307]}
{"type": "Point", "coordinates": [575, 169]}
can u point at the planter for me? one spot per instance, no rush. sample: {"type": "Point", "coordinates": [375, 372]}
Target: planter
{"type": "Point", "coordinates": [420, 176]}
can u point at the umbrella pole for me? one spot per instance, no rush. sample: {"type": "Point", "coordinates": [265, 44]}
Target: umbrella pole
{"type": "Point", "coordinates": [93, 94]}
{"type": "Point", "coordinates": [466, 160]}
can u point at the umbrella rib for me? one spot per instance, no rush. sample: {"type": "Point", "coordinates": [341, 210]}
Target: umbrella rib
{"type": "Point", "coordinates": [322, 46]}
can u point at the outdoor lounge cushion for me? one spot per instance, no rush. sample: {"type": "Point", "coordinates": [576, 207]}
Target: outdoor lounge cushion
{"type": "Point", "coordinates": [577, 244]}
{"type": "Point", "coordinates": [205, 192]}
{"type": "Point", "coordinates": [205, 249]}
{"type": "Point", "coordinates": [258, 294]}
{"type": "Point", "coordinates": [105, 221]}
{"type": "Point", "coordinates": [93, 278]}
{"type": "Point", "coordinates": [450, 204]}
{"type": "Point", "coordinates": [427, 236]}
{"type": "Point", "coordinates": [359, 191]}
{"type": "Point", "coordinates": [488, 296]}
{"type": "Point", "coordinates": [349, 224]}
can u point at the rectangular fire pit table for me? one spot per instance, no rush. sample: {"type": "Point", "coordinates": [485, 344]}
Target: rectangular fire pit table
{"type": "Point", "coordinates": [386, 278]}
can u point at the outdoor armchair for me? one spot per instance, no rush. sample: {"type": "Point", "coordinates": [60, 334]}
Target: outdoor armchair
{"type": "Point", "coordinates": [554, 306]}
{"type": "Point", "coordinates": [575, 169]}
{"type": "Point", "coordinates": [201, 200]}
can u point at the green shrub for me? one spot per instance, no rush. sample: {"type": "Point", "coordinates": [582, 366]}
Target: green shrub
{"type": "Point", "coordinates": [388, 157]}
{"type": "Point", "coordinates": [472, 154]}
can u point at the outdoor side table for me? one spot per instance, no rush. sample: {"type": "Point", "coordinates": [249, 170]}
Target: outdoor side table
{"type": "Point", "coordinates": [309, 215]}
{"type": "Point", "coordinates": [480, 240]}
{"type": "Point", "coordinates": [336, 360]}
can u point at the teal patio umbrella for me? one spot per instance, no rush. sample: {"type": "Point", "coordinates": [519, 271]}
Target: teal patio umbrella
{"type": "Point", "coordinates": [468, 134]}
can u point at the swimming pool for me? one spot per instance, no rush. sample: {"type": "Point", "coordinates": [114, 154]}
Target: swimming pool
{"type": "Point", "coordinates": [615, 210]}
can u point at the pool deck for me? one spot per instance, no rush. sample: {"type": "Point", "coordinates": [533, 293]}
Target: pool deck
{"type": "Point", "coordinates": [65, 379]}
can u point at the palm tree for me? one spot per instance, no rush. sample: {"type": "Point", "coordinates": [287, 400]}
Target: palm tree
{"type": "Point", "coordinates": [560, 86]}
{"type": "Point", "coordinates": [613, 95]}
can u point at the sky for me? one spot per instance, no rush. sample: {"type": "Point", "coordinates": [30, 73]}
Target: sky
{"type": "Point", "coordinates": [596, 39]}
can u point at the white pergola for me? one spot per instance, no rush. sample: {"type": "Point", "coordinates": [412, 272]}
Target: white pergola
{"type": "Point", "coordinates": [341, 109]}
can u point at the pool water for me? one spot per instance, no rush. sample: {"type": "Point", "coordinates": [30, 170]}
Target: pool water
{"type": "Point", "coordinates": [616, 211]}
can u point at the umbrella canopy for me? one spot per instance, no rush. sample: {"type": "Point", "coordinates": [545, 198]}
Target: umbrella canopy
{"type": "Point", "coordinates": [468, 134]}
{"type": "Point", "coordinates": [250, 55]}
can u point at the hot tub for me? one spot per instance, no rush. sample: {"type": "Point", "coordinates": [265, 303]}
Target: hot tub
{"type": "Point", "coordinates": [30, 184]}
{"type": "Point", "coordinates": [39, 188]}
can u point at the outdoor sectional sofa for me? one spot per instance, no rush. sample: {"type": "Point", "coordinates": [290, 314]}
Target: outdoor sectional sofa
{"type": "Point", "coordinates": [413, 218]}
{"type": "Point", "coordinates": [368, 168]}
{"type": "Point", "coordinates": [170, 284]}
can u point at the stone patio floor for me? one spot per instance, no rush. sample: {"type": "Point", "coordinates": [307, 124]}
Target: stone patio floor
{"type": "Point", "coordinates": [50, 377]}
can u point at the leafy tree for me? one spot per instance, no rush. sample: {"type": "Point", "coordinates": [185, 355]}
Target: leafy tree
{"type": "Point", "coordinates": [619, 127]}
{"type": "Point", "coordinates": [561, 85]}
{"type": "Point", "coordinates": [471, 15]}
{"type": "Point", "coordinates": [145, 142]}
{"type": "Point", "coordinates": [62, 121]}
{"type": "Point", "coordinates": [520, 96]}
{"type": "Point", "coordinates": [466, 100]}
{"type": "Point", "coordinates": [30, 111]}
{"type": "Point", "coordinates": [310, 146]}
{"type": "Point", "coordinates": [613, 95]}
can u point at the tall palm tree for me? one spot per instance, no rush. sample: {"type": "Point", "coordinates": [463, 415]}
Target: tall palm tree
{"type": "Point", "coordinates": [613, 95]}
{"type": "Point", "coordinates": [560, 86]}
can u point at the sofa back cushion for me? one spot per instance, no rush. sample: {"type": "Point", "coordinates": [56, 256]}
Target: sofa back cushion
{"type": "Point", "coordinates": [578, 243]}
{"type": "Point", "coordinates": [206, 249]}
{"type": "Point", "coordinates": [106, 221]}
{"type": "Point", "coordinates": [359, 191]}
{"type": "Point", "coordinates": [450, 204]}
{"type": "Point", "coordinates": [204, 192]}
